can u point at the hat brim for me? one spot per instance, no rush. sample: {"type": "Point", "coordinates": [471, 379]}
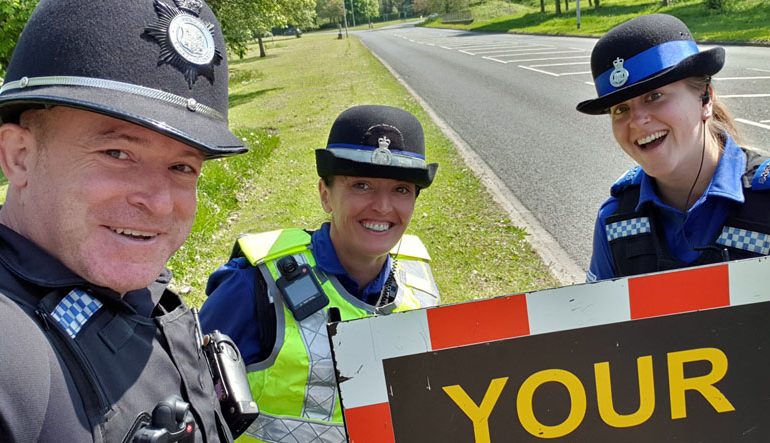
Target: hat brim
{"type": "Point", "coordinates": [703, 63]}
{"type": "Point", "coordinates": [327, 164]}
{"type": "Point", "coordinates": [209, 135]}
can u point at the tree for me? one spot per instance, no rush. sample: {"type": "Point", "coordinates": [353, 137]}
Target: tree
{"type": "Point", "coordinates": [542, 6]}
{"type": "Point", "coordinates": [558, 6]}
{"type": "Point", "coordinates": [244, 20]}
{"type": "Point", "coordinates": [13, 15]}
{"type": "Point", "coordinates": [331, 10]}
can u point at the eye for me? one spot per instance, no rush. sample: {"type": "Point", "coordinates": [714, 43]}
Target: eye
{"type": "Point", "coordinates": [619, 109]}
{"type": "Point", "coordinates": [653, 96]}
{"type": "Point", "coordinates": [184, 168]}
{"type": "Point", "coordinates": [362, 186]}
{"type": "Point", "coordinates": [117, 154]}
{"type": "Point", "coordinates": [404, 190]}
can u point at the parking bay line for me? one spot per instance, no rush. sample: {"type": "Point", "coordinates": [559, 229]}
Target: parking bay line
{"type": "Point", "coordinates": [752, 123]}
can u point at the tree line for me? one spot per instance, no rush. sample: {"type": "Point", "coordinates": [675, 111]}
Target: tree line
{"type": "Point", "coordinates": [244, 21]}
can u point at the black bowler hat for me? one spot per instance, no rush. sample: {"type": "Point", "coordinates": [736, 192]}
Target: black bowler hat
{"type": "Point", "coordinates": [160, 64]}
{"type": "Point", "coordinates": [376, 141]}
{"type": "Point", "coordinates": [643, 54]}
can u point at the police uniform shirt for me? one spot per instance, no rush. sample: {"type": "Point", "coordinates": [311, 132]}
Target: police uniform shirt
{"type": "Point", "coordinates": [130, 355]}
{"type": "Point", "coordinates": [232, 295]}
{"type": "Point", "coordinates": [683, 231]}
{"type": "Point", "coordinates": [35, 394]}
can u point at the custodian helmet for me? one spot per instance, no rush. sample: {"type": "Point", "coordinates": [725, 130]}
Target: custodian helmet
{"type": "Point", "coordinates": [160, 64]}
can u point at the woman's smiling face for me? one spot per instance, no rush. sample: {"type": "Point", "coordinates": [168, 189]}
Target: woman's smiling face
{"type": "Point", "coordinates": [662, 129]}
{"type": "Point", "coordinates": [368, 215]}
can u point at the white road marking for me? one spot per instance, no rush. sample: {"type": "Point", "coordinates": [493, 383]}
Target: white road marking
{"type": "Point", "coordinates": [559, 64]}
{"type": "Point", "coordinates": [539, 70]}
{"type": "Point", "coordinates": [752, 123]}
{"type": "Point", "coordinates": [765, 77]}
{"type": "Point", "coordinates": [744, 95]}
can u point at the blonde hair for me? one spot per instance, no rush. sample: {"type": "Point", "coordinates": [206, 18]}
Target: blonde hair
{"type": "Point", "coordinates": [721, 121]}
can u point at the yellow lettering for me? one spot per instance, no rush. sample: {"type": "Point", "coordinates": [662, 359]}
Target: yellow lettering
{"type": "Point", "coordinates": [577, 411]}
{"type": "Point", "coordinates": [479, 415]}
{"type": "Point", "coordinates": [704, 384]}
{"type": "Point", "coordinates": [646, 394]}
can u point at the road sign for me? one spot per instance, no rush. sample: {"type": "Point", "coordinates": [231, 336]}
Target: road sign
{"type": "Point", "coordinates": [675, 356]}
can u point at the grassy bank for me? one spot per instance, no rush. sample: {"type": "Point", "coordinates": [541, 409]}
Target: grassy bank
{"type": "Point", "coordinates": [740, 21]}
{"type": "Point", "coordinates": [288, 101]}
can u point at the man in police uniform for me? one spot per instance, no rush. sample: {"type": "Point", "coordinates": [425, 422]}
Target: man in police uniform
{"type": "Point", "coordinates": [108, 109]}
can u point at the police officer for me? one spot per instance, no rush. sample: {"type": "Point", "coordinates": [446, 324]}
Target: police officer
{"type": "Point", "coordinates": [696, 196]}
{"type": "Point", "coordinates": [109, 109]}
{"type": "Point", "coordinates": [359, 264]}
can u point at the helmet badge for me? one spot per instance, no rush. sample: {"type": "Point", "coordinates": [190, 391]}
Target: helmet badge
{"type": "Point", "coordinates": [619, 75]}
{"type": "Point", "coordinates": [186, 42]}
{"type": "Point", "coordinates": [382, 155]}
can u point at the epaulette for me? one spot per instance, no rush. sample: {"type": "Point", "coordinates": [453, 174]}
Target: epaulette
{"type": "Point", "coordinates": [632, 177]}
{"type": "Point", "coordinates": [266, 246]}
{"type": "Point", "coordinates": [411, 246]}
{"type": "Point", "coordinates": [761, 180]}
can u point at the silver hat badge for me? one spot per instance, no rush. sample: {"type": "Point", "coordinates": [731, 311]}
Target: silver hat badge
{"type": "Point", "coordinates": [382, 155]}
{"type": "Point", "coordinates": [619, 76]}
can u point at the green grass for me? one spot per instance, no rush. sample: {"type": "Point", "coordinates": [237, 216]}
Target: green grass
{"type": "Point", "coordinates": [294, 95]}
{"type": "Point", "coordinates": [740, 21]}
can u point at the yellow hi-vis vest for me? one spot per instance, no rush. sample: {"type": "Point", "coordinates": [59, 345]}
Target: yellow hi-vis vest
{"type": "Point", "coordinates": [295, 387]}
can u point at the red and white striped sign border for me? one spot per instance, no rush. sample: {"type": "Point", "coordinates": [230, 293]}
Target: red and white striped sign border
{"type": "Point", "coordinates": [359, 356]}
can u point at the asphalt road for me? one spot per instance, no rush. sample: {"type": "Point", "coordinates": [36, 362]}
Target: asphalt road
{"type": "Point", "coordinates": [511, 98]}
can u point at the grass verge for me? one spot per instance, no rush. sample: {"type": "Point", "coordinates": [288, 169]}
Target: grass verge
{"type": "Point", "coordinates": [739, 21]}
{"type": "Point", "coordinates": [292, 97]}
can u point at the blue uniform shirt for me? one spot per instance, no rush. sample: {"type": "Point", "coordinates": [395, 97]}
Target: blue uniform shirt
{"type": "Point", "coordinates": [683, 231]}
{"type": "Point", "coordinates": [232, 293]}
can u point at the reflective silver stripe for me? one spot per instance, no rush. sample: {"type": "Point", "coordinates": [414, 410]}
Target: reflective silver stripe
{"type": "Point", "coordinates": [282, 429]}
{"type": "Point", "coordinates": [321, 389]}
{"type": "Point", "coordinates": [188, 103]}
{"type": "Point", "coordinates": [363, 156]}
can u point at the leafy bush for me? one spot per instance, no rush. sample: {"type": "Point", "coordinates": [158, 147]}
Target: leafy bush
{"type": "Point", "coordinates": [13, 15]}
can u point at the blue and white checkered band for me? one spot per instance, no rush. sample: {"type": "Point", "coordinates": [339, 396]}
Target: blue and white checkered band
{"type": "Point", "coordinates": [377, 156]}
{"type": "Point", "coordinates": [751, 241]}
{"type": "Point", "coordinates": [646, 64]}
{"type": "Point", "coordinates": [627, 228]}
{"type": "Point", "coordinates": [74, 310]}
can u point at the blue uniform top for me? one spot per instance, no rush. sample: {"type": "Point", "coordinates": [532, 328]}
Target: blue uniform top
{"type": "Point", "coordinates": [232, 293]}
{"type": "Point", "coordinates": [683, 231]}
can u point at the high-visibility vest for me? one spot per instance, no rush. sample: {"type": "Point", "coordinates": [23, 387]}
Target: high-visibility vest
{"type": "Point", "coordinates": [295, 386]}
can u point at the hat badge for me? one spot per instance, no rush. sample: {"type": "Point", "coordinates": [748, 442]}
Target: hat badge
{"type": "Point", "coordinates": [382, 155]}
{"type": "Point", "coordinates": [186, 41]}
{"type": "Point", "coordinates": [619, 75]}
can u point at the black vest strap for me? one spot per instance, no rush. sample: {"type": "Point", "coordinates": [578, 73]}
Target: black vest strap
{"type": "Point", "coordinates": [648, 252]}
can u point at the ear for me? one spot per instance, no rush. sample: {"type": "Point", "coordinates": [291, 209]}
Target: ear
{"type": "Point", "coordinates": [707, 110]}
{"type": "Point", "coordinates": [323, 192]}
{"type": "Point", "coordinates": [16, 145]}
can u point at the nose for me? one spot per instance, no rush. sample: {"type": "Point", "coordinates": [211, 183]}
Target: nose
{"type": "Point", "coordinates": [640, 115]}
{"type": "Point", "coordinates": [382, 203]}
{"type": "Point", "coordinates": [152, 193]}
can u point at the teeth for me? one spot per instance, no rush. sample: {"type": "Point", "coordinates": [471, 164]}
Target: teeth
{"type": "Point", "coordinates": [651, 138]}
{"type": "Point", "coordinates": [133, 233]}
{"type": "Point", "coordinates": [374, 226]}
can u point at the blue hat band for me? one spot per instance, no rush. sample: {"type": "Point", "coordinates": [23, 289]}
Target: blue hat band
{"type": "Point", "coordinates": [645, 64]}
{"type": "Point", "coordinates": [375, 155]}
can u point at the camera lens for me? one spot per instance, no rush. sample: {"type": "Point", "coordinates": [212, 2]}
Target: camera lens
{"type": "Point", "coordinates": [287, 265]}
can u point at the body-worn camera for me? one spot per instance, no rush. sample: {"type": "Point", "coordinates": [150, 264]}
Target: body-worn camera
{"type": "Point", "coordinates": [300, 289]}
{"type": "Point", "coordinates": [171, 421]}
{"type": "Point", "coordinates": [230, 382]}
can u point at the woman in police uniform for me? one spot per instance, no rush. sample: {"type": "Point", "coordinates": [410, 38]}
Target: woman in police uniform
{"type": "Point", "coordinates": [276, 294]}
{"type": "Point", "coordinates": [696, 197]}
